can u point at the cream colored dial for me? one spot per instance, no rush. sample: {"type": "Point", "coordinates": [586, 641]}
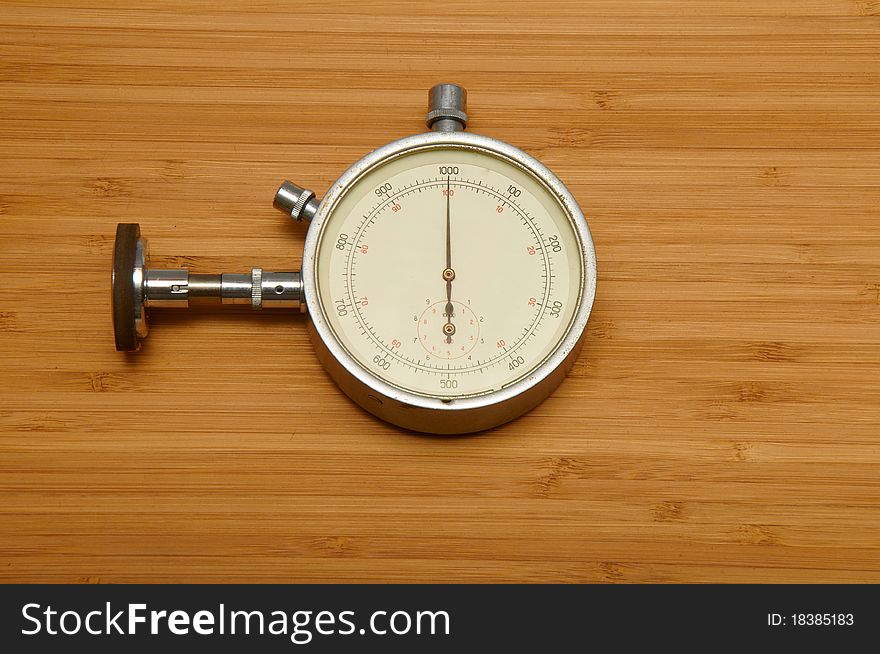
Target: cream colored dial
{"type": "Point", "coordinates": [449, 271]}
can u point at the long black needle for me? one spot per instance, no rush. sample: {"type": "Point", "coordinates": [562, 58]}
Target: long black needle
{"type": "Point", "coordinates": [449, 307]}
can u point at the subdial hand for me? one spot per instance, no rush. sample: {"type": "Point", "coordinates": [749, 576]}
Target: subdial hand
{"type": "Point", "coordinates": [448, 272]}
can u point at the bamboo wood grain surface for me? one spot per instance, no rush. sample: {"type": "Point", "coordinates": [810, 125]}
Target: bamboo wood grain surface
{"type": "Point", "coordinates": [721, 425]}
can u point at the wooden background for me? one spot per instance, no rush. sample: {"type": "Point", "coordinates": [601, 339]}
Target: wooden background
{"type": "Point", "coordinates": [722, 423]}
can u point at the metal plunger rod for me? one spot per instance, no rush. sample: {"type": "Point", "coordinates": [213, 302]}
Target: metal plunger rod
{"type": "Point", "coordinates": [282, 290]}
{"type": "Point", "coordinates": [136, 288]}
{"type": "Point", "coordinates": [261, 289]}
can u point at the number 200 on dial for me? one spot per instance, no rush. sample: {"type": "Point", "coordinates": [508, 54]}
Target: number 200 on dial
{"type": "Point", "coordinates": [449, 272]}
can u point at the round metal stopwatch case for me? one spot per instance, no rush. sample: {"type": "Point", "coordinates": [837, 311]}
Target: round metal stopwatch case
{"type": "Point", "coordinates": [448, 277]}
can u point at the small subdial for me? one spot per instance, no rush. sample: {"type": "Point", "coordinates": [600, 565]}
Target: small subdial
{"type": "Point", "coordinates": [448, 336]}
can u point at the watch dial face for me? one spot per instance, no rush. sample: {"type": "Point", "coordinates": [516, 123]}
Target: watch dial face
{"type": "Point", "coordinates": [449, 272]}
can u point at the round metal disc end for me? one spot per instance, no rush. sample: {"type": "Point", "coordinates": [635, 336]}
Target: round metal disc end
{"type": "Point", "coordinates": [129, 260]}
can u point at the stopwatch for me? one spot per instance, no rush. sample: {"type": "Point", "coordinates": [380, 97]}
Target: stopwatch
{"type": "Point", "coordinates": [448, 277]}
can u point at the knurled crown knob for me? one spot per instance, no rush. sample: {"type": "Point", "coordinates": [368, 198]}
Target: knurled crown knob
{"type": "Point", "coordinates": [296, 201]}
{"type": "Point", "coordinates": [447, 108]}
